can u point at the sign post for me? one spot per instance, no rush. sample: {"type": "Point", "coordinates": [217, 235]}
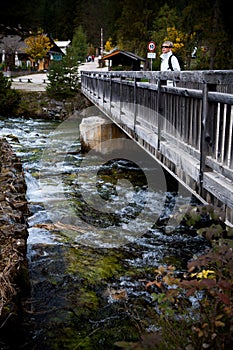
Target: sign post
{"type": "Point", "coordinates": [152, 55]}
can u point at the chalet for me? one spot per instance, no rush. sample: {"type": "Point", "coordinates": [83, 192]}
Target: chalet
{"type": "Point", "coordinates": [123, 60]}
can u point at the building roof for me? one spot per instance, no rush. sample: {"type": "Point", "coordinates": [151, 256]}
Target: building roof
{"type": "Point", "coordinates": [12, 43]}
{"type": "Point", "coordinates": [63, 44]}
{"type": "Point", "coordinates": [123, 53]}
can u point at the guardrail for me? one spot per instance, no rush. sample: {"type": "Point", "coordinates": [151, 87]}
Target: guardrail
{"type": "Point", "coordinates": [185, 118]}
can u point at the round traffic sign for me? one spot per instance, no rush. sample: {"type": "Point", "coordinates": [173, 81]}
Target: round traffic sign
{"type": "Point", "coordinates": [151, 46]}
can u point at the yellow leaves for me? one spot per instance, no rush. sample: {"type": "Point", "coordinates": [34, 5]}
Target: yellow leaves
{"type": "Point", "coordinates": [182, 41]}
{"type": "Point", "coordinates": [37, 46]}
{"type": "Point", "coordinates": [178, 46]}
{"type": "Point", "coordinates": [219, 324]}
{"type": "Point", "coordinates": [204, 274]}
{"type": "Point", "coordinates": [176, 36]}
{"type": "Point", "coordinates": [108, 46]}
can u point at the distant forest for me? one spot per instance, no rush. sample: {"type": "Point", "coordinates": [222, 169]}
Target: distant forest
{"type": "Point", "coordinates": [131, 24]}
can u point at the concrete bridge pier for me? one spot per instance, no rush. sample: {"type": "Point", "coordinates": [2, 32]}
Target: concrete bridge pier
{"type": "Point", "coordinates": [95, 130]}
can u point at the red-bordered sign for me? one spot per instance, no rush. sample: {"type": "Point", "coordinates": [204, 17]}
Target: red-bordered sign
{"type": "Point", "coordinates": [151, 46]}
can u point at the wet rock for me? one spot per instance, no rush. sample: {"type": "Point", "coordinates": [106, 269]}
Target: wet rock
{"type": "Point", "coordinates": [13, 237]}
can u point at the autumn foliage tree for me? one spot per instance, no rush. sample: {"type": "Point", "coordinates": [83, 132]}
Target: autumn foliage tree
{"type": "Point", "coordinates": [109, 45]}
{"type": "Point", "coordinates": [37, 46]}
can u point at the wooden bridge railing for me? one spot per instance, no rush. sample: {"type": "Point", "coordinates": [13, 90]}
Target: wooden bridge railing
{"type": "Point", "coordinates": [189, 124]}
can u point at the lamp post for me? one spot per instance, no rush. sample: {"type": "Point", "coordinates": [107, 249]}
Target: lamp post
{"type": "Point", "coordinates": [101, 47]}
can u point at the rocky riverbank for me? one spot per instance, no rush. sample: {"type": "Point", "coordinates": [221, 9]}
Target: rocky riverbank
{"type": "Point", "coordinates": [37, 104]}
{"type": "Point", "coordinates": [14, 282]}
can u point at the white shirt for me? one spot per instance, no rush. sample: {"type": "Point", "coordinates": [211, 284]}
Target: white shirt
{"type": "Point", "coordinates": [164, 62]}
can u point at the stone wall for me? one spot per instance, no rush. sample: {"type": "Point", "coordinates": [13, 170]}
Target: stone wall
{"type": "Point", "coordinates": [14, 282]}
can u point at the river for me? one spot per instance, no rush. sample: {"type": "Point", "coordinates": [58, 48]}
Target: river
{"type": "Point", "coordinates": [94, 238]}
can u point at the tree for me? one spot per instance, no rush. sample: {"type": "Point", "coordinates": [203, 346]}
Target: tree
{"type": "Point", "coordinates": [167, 17]}
{"type": "Point", "coordinates": [214, 40]}
{"type": "Point", "coordinates": [21, 13]}
{"type": "Point", "coordinates": [186, 31]}
{"type": "Point", "coordinates": [37, 46]}
{"type": "Point", "coordinates": [93, 15]}
{"type": "Point", "coordinates": [134, 25]}
{"type": "Point", "coordinates": [58, 18]}
{"type": "Point", "coordinates": [79, 47]}
{"type": "Point", "coordinates": [108, 45]}
{"type": "Point", "coordinates": [9, 99]}
{"type": "Point", "coordinates": [63, 77]}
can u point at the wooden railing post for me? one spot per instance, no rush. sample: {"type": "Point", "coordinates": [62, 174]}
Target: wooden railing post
{"type": "Point", "coordinates": [203, 133]}
{"type": "Point", "coordinates": [103, 88]}
{"type": "Point", "coordinates": [135, 102]}
{"type": "Point", "coordinates": [206, 139]}
{"type": "Point", "coordinates": [110, 93]}
{"type": "Point", "coordinates": [121, 89]}
{"type": "Point", "coordinates": [98, 86]}
{"type": "Point", "coordinates": [160, 110]}
{"type": "Point", "coordinates": [93, 85]}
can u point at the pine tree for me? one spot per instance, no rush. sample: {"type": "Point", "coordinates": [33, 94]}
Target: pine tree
{"type": "Point", "coordinates": [79, 47]}
{"type": "Point", "coordinates": [63, 77]}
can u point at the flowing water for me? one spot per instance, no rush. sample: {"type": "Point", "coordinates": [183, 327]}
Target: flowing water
{"type": "Point", "coordinates": [93, 239]}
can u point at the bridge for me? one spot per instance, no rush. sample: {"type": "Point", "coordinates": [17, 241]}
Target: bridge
{"type": "Point", "coordinates": [182, 119]}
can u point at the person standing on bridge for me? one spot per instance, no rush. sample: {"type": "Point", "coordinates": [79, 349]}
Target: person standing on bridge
{"type": "Point", "coordinates": [169, 62]}
{"type": "Point", "coordinates": [165, 58]}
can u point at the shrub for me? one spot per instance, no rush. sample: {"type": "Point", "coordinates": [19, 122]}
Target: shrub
{"type": "Point", "coordinates": [195, 311]}
{"type": "Point", "coordinates": [9, 99]}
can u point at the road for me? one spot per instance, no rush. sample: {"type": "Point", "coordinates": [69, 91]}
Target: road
{"type": "Point", "coordinates": [39, 80]}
